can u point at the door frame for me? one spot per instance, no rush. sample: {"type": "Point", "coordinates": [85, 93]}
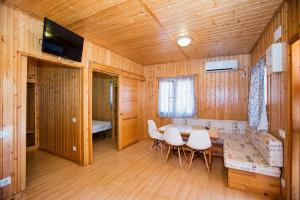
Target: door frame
{"type": "Point", "coordinates": [119, 74]}
{"type": "Point", "coordinates": [292, 133]}
{"type": "Point", "coordinates": [93, 70]}
{"type": "Point", "coordinates": [19, 179]}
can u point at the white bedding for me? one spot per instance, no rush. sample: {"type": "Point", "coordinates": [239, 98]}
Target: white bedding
{"type": "Point", "coordinates": [99, 126]}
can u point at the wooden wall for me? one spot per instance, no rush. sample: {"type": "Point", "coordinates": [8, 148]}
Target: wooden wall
{"type": "Point", "coordinates": [20, 31]}
{"type": "Point", "coordinates": [278, 83]}
{"type": "Point", "coordinates": [102, 110]}
{"type": "Point", "coordinates": [60, 100]}
{"type": "Point", "coordinates": [220, 95]}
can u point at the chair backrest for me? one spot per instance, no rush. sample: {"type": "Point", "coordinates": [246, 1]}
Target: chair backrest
{"type": "Point", "coordinates": [152, 130]}
{"type": "Point", "coordinates": [199, 140]}
{"type": "Point", "coordinates": [173, 137]}
{"type": "Point", "coordinates": [151, 125]}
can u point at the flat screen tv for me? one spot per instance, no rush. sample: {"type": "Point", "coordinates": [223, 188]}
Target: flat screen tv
{"type": "Point", "coordinates": [61, 42]}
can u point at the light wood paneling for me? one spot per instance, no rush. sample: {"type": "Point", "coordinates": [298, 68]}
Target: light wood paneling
{"type": "Point", "coordinates": [146, 31]}
{"type": "Point", "coordinates": [60, 94]}
{"type": "Point", "coordinates": [7, 70]}
{"type": "Point", "coordinates": [278, 89]}
{"type": "Point", "coordinates": [295, 128]}
{"type": "Point", "coordinates": [102, 110]}
{"type": "Point", "coordinates": [21, 32]}
{"type": "Point", "coordinates": [220, 95]}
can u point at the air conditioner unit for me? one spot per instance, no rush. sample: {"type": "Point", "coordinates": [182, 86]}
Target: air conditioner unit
{"type": "Point", "coordinates": [223, 65]}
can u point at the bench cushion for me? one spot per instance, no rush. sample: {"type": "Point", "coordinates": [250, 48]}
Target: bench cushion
{"type": "Point", "coordinates": [240, 154]}
{"type": "Point", "coordinates": [268, 146]}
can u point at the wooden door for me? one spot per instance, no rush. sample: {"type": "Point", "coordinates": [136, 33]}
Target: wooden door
{"type": "Point", "coordinates": [295, 119]}
{"type": "Point", "coordinates": [128, 114]}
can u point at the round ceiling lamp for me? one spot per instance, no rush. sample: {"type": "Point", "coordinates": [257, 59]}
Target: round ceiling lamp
{"type": "Point", "coordinates": [184, 41]}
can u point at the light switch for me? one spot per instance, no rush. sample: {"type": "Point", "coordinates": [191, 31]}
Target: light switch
{"type": "Point", "coordinates": [74, 148]}
{"type": "Point", "coordinates": [74, 119]}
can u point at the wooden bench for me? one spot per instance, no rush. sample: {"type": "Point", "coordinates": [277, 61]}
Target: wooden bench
{"type": "Point", "coordinates": [253, 162]}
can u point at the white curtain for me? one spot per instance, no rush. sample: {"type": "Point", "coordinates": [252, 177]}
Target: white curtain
{"type": "Point", "coordinates": [177, 97]}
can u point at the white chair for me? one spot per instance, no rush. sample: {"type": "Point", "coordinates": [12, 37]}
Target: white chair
{"type": "Point", "coordinates": [157, 137]}
{"type": "Point", "coordinates": [174, 140]}
{"type": "Point", "coordinates": [199, 141]}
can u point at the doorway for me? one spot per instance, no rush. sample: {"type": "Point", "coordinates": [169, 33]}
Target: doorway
{"type": "Point", "coordinates": [104, 128]}
{"type": "Point", "coordinates": [53, 116]}
{"type": "Point", "coordinates": [295, 108]}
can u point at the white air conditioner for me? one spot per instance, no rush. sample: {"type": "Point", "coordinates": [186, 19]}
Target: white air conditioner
{"type": "Point", "coordinates": [223, 65]}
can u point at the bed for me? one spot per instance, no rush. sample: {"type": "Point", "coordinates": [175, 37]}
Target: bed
{"type": "Point", "coordinates": [100, 126]}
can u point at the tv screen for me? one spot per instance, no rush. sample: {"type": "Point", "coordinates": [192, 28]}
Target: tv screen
{"type": "Point", "coordinates": [61, 42]}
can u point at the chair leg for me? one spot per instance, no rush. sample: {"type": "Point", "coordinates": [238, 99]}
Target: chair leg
{"type": "Point", "coordinates": [168, 153]}
{"type": "Point", "coordinates": [191, 160]}
{"type": "Point", "coordinates": [179, 157]}
{"type": "Point", "coordinates": [161, 148]}
{"type": "Point", "coordinates": [153, 141]}
{"type": "Point", "coordinates": [206, 161]}
{"type": "Point", "coordinates": [186, 158]}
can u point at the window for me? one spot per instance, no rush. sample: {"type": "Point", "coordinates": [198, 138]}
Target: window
{"type": "Point", "coordinates": [265, 86]}
{"type": "Point", "coordinates": [111, 94]}
{"type": "Point", "coordinates": [176, 97]}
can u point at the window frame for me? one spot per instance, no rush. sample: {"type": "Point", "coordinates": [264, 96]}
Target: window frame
{"type": "Point", "coordinates": [174, 114]}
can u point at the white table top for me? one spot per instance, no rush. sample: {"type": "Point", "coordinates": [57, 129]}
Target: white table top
{"type": "Point", "coordinates": [187, 129]}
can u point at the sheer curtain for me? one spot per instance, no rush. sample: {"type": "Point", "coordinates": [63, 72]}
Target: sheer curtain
{"type": "Point", "coordinates": [177, 97]}
{"type": "Point", "coordinates": [257, 112]}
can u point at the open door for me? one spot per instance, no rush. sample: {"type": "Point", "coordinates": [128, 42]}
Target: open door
{"type": "Point", "coordinates": [128, 114]}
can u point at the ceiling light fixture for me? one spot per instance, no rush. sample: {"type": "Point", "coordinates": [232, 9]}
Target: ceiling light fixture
{"type": "Point", "coordinates": [184, 41]}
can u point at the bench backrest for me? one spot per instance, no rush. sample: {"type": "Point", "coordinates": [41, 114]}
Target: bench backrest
{"type": "Point", "coordinates": [268, 146]}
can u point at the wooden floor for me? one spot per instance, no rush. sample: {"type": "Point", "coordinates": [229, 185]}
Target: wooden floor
{"type": "Point", "coordinates": [134, 173]}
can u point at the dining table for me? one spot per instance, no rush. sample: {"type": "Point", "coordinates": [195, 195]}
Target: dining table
{"type": "Point", "coordinates": [186, 129]}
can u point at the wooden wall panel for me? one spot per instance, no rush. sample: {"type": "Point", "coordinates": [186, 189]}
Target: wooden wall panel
{"type": "Point", "coordinates": [7, 118]}
{"type": "Point", "coordinates": [220, 95]}
{"type": "Point", "coordinates": [278, 83]}
{"type": "Point", "coordinates": [20, 31]}
{"type": "Point", "coordinates": [101, 99]}
{"type": "Point", "coordinates": [60, 93]}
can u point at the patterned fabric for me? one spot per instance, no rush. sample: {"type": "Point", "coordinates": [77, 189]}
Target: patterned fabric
{"type": "Point", "coordinates": [176, 97]}
{"type": "Point", "coordinates": [240, 154]}
{"type": "Point", "coordinates": [268, 146]}
{"type": "Point", "coordinates": [256, 94]}
{"type": "Point", "coordinates": [224, 126]}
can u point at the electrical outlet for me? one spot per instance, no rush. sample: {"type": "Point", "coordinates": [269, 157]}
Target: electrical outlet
{"type": "Point", "coordinates": [74, 119]}
{"type": "Point", "coordinates": [4, 182]}
{"type": "Point", "coordinates": [281, 133]}
{"type": "Point", "coordinates": [282, 182]}
{"type": "Point", "coordinates": [74, 148]}
{"type": "Point", "coordinates": [4, 134]}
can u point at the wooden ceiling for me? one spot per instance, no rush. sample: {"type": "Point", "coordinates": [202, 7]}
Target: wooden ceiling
{"type": "Point", "coordinates": [146, 30]}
